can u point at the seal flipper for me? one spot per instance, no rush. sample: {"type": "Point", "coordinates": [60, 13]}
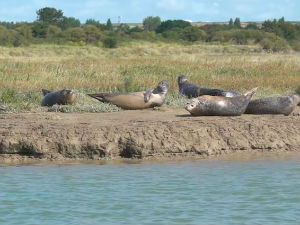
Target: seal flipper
{"type": "Point", "coordinates": [45, 91]}
{"type": "Point", "coordinates": [147, 96]}
{"type": "Point", "coordinates": [102, 96]}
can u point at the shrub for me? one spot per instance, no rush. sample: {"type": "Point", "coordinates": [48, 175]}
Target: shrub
{"type": "Point", "coordinates": [110, 42]}
{"type": "Point", "coordinates": [75, 34]}
{"type": "Point", "coordinates": [193, 34]}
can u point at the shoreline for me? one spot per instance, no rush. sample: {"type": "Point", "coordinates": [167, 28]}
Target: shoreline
{"type": "Point", "coordinates": [145, 135]}
{"type": "Point", "coordinates": [245, 156]}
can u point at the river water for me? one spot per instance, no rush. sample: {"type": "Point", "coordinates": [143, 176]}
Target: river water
{"type": "Point", "coordinates": [187, 192]}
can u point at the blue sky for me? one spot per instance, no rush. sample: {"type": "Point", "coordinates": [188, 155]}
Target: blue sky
{"type": "Point", "coordinates": [136, 10]}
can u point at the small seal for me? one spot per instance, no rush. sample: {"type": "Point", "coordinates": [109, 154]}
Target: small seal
{"type": "Point", "coordinates": [192, 90]}
{"type": "Point", "coordinates": [62, 97]}
{"type": "Point", "coordinates": [136, 100]}
{"type": "Point", "coordinates": [274, 105]}
{"type": "Point", "coordinates": [208, 105]}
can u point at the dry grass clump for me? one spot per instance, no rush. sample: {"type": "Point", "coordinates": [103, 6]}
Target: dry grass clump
{"type": "Point", "coordinates": [139, 66]}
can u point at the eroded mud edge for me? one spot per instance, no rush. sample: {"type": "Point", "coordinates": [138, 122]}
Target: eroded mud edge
{"type": "Point", "coordinates": [143, 135]}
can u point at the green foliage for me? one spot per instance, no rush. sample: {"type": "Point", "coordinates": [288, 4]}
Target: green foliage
{"type": "Point", "coordinates": [191, 33]}
{"type": "Point", "coordinates": [39, 30]}
{"type": "Point", "coordinates": [5, 36]}
{"type": "Point", "coordinates": [230, 24]}
{"type": "Point", "coordinates": [252, 26]}
{"type": "Point", "coordinates": [109, 25]}
{"type": "Point", "coordinates": [136, 29]}
{"type": "Point", "coordinates": [170, 24]}
{"type": "Point", "coordinates": [75, 34]}
{"type": "Point", "coordinates": [50, 16]}
{"type": "Point", "coordinates": [68, 22]}
{"type": "Point", "coordinates": [110, 42]}
{"type": "Point", "coordinates": [237, 23]}
{"type": "Point", "coordinates": [151, 23]}
{"type": "Point", "coordinates": [173, 34]}
{"type": "Point", "coordinates": [123, 28]}
{"type": "Point", "coordinates": [92, 33]}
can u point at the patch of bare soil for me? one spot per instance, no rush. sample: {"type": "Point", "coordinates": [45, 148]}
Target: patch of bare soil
{"type": "Point", "coordinates": [143, 134]}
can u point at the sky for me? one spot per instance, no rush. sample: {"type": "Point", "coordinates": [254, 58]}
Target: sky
{"type": "Point", "coordinates": [134, 11]}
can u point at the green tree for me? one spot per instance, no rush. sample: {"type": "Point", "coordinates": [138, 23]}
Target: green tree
{"type": "Point", "coordinates": [193, 34]}
{"type": "Point", "coordinates": [110, 42]}
{"type": "Point", "coordinates": [75, 34]}
{"type": "Point", "coordinates": [109, 25]}
{"type": "Point", "coordinates": [68, 22]}
{"type": "Point", "coordinates": [123, 27]}
{"type": "Point", "coordinates": [50, 15]}
{"type": "Point", "coordinates": [151, 23]}
{"type": "Point", "coordinates": [170, 24]}
{"type": "Point", "coordinates": [92, 34]}
{"type": "Point", "coordinates": [252, 26]}
{"type": "Point", "coordinates": [6, 36]}
{"type": "Point", "coordinates": [53, 33]}
{"type": "Point", "coordinates": [237, 23]}
{"type": "Point", "coordinates": [230, 24]}
{"type": "Point", "coordinates": [39, 30]}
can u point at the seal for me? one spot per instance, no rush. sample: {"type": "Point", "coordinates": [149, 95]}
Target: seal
{"type": "Point", "coordinates": [192, 90]}
{"type": "Point", "coordinates": [208, 105]}
{"type": "Point", "coordinates": [274, 105]}
{"type": "Point", "coordinates": [62, 97]}
{"type": "Point", "coordinates": [136, 100]}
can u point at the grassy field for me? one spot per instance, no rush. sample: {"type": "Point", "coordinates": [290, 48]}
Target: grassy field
{"type": "Point", "coordinates": [138, 66]}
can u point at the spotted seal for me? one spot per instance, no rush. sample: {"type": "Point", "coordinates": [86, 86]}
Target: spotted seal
{"type": "Point", "coordinates": [274, 105]}
{"type": "Point", "coordinates": [62, 97]}
{"type": "Point", "coordinates": [192, 90]}
{"type": "Point", "coordinates": [136, 100]}
{"type": "Point", "coordinates": [208, 105]}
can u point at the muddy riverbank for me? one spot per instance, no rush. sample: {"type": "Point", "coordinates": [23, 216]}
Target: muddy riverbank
{"type": "Point", "coordinates": [147, 134]}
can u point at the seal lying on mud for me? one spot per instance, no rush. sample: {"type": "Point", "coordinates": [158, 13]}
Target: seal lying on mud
{"type": "Point", "coordinates": [136, 100]}
{"type": "Point", "coordinates": [274, 105]}
{"type": "Point", "coordinates": [62, 97]}
{"type": "Point", "coordinates": [208, 105]}
{"type": "Point", "coordinates": [192, 90]}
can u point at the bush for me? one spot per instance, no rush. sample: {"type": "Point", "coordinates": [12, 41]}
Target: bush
{"type": "Point", "coordinates": [110, 42]}
{"type": "Point", "coordinates": [75, 34]}
{"type": "Point", "coordinates": [193, 34]}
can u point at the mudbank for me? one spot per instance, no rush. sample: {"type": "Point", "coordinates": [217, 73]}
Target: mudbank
{"type": "Point", "coordinates": [166, 133]}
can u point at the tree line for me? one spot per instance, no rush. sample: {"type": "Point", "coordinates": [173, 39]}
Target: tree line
{"type": "Point", "coordinates": [51, 26]}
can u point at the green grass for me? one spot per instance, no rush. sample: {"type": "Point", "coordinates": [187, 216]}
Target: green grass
{"type": "Point", "coordinates": [138, 66]}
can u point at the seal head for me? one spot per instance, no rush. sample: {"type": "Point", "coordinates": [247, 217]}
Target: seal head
{"type": "Point", "coordinates": [62, 97]}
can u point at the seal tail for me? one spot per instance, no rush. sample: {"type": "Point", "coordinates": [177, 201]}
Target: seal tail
{"type": "Point", "coordinates": [101, 96]}
{"type": "Point", "coordinates": [45, 91]}
{"type": "Point", "coordinates": [250, 93]}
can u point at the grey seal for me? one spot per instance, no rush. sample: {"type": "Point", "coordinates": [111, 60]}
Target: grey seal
{"type": "Point", "coordinates": [274, 105]}
{"type": "Point", "coordinates": [208, 105]}
{"type": "Point", "coordinates": [136, 100]}
{"type": "Point", "coordinates": [62, 97]}
{"type": "Point", "coordinates": [192, 90]}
